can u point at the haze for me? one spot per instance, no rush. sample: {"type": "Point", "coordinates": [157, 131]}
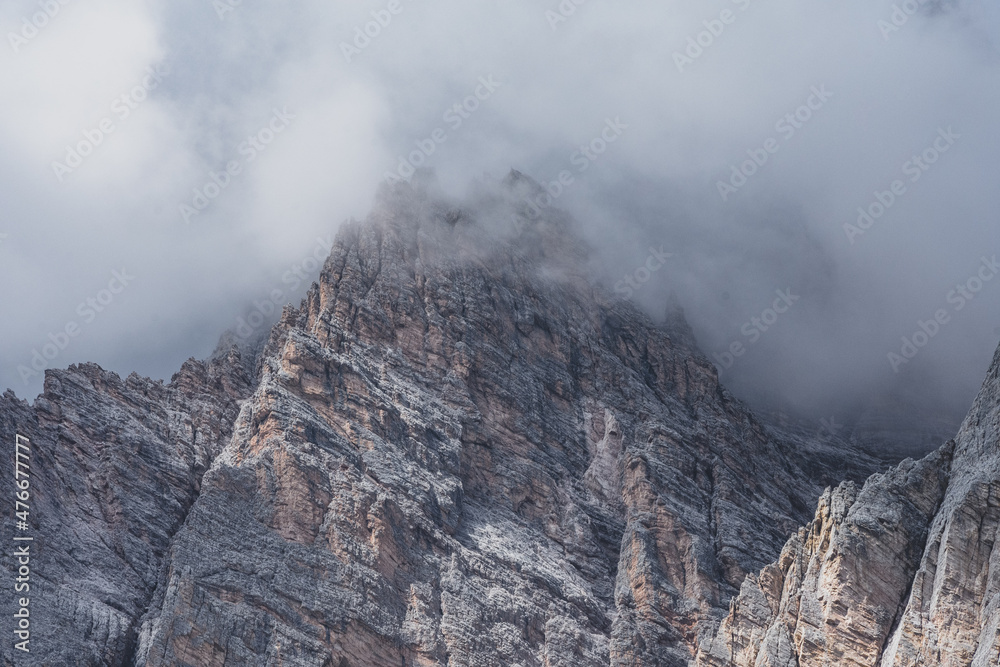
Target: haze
{"type": "Point", "coordinates": [286, 118]}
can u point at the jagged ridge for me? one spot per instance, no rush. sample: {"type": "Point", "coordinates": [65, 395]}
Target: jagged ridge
{"type": "Point", "coordinates": [903, 573]}
{"type": "Point", "coordinates": [457, 450]}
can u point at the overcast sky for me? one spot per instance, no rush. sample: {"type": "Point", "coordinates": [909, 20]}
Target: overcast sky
{"type": "Point", "coordinates": [119, 120]}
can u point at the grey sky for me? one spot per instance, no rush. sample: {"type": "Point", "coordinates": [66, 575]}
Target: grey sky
{"type": "Point", "coordinates": [198, 80]}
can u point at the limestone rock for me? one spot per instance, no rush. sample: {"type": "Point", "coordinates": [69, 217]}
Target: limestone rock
{"type": "Point", "coordinates": [460, 450]}
{"type": "Point", "coordinates": [115, 467]}
{"type": "Point", "coordinates": [902, 572]}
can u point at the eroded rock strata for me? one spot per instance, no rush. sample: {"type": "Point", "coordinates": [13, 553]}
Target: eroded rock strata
{"type": "Point", "coordinates": [898, 573]}
{"type": "Point", "coordinates": [458, 450]}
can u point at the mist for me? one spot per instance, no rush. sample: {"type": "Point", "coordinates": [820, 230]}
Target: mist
{"type": "Point", "coordinates": [171, 171]}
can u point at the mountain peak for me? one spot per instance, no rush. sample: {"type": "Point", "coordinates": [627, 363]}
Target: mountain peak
{"type": "Point", "coordinates": [457, 449]}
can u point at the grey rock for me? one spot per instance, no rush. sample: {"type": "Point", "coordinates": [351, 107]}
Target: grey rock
{"type": "Point", "coordinates": [902, 572]}
{"type": "Point", "coordinates": [115, 467]}
{"type": "Point", "coordinates": [456, 450]}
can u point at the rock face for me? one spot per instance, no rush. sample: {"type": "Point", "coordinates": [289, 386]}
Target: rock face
{"type": "Point", "coordinates": [458, 451]}
{"type": "Point", "coordinates": [899, 573]}
{"type": "Point", "coordinates": [115, 467]}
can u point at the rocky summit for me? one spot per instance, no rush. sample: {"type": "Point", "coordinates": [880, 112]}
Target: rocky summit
{"type": "Point", "coordinates": [461, 449]}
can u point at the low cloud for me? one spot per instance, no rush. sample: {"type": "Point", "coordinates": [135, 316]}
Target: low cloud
{"type": "Point", "coordinates": [755, 134]}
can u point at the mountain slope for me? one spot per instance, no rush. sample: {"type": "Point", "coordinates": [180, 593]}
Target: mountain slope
{"type": "Point", "coordinates": [115, 467]}
{"type": "Point", "coordinates": [457, 450]}
{"type": "Point", "coordinates": [464, 452]}
{"type": "Point", "coordinates": [903, 572]}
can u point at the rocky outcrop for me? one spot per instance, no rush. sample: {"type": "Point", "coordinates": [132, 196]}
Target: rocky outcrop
{"type": "Point", "coordinates": [834, 594]}
{"type": "Point", "coordinates": [459, 451]}
{"type": "Point", "coordinates": [902, 572]}
{"type": "Point", "coordinates": [115, 468]}
{"type": "Point", "coordinates": [951, 615]}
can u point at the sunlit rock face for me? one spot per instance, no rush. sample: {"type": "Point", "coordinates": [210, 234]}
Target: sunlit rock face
{"type": "Point", "coordinates": [461, 450]}
{"type": "Point", "coordinates": [897, 573]}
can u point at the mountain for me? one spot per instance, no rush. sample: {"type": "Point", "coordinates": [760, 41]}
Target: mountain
{"type": "Point", "coordinates": [897, 572]}
{"type": "Point", "coordinates": [460, 449]}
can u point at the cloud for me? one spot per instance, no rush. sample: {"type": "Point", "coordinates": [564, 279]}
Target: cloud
{"type": "Point", "coordinates": [362, 102]}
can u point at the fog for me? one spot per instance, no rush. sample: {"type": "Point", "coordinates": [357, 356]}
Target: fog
{"type": "Point", "coordinates": [206, 152]}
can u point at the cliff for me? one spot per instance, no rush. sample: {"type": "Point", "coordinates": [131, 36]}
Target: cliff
{"type": "Point", "coordinates": [460, 450]}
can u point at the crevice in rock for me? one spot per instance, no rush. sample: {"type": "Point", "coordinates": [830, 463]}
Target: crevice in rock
{"type": "Point", "coordinates": [948, 452]}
